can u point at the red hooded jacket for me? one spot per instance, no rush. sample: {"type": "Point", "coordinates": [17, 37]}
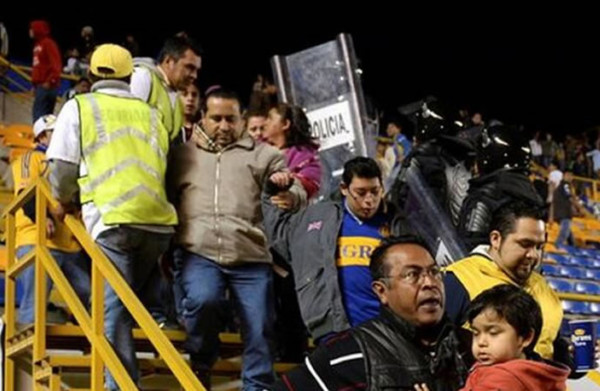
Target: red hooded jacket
{"type": "Point", "coordinates": [47, 63]}
{"type": "Point", "coordinates": [517, 375]}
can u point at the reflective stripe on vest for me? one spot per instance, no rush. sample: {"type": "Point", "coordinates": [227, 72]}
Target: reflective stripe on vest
{"type": "Point", "coordinates": [172, 117]}
{"type": "Point", "coordinates": [124, 147]}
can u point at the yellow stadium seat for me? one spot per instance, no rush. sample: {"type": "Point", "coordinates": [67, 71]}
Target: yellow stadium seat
{"type": "Point", "coordinates": [17, 130]}
{"type": "Point", "coordinates": [18, 142]}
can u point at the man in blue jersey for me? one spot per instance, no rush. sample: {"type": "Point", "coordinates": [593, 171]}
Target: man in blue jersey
{"type": "Point", "coordinates": [401, 145]}
{"type": "Point", "coordinates": [329, 244]}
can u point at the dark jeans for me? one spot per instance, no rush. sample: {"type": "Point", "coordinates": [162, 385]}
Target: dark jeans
{"type": "Point", "coordinates": [290, 332]}
{"type": "Point", "coordinates": [135, 253]}
{"type": "Point", "coordinates": [44, 101]}
{"type": "Point", "coordinates": [565, 235]}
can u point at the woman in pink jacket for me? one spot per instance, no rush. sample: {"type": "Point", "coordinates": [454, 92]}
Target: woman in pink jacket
{"type": "Point", "coordinates": [287, 128]}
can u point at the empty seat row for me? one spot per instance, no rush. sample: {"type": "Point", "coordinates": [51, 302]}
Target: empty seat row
{"type": "Point", "coordinates": [569, 260]}
{"type": "Point", "coordinates": [582, 287]}
{"type": "Point", "coordinates": [577, 273]}
{"type": "Point", "coordinates": [581, 308]}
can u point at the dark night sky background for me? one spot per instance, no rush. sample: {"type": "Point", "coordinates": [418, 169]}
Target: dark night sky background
{"type": "Point", "coordinates": [535, 71]}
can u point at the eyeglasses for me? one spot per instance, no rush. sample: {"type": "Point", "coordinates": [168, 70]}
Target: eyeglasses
{"type": "Point", "coordinates": [364, 194]}
{"type": "Point", "coordinates": [416, 275]}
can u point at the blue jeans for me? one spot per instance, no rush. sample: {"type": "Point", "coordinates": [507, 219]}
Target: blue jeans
{"type": "Point", "coordinates": [154, 296]}
{"type": "Point", "coordinates": [44, 101]}
{"type": "Point", "coordinates": [203, 283]}
{"type": "Point", "coordinates": [76, 268]}
{"type": "Point", "coordinates": [135, 253]}
{"type": "Point", "coordinates": [564, 235]}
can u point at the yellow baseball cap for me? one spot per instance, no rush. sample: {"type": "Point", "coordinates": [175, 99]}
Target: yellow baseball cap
{"type": "Point", "coordinates": [110, 61]}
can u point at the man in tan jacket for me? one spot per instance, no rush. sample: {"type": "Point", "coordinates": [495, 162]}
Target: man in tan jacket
{"type": "Point", "coordinates": [221, 243]}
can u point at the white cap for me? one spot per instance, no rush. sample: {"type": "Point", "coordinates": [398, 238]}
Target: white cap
{"type": "Point", "coordinates": [45, 122]}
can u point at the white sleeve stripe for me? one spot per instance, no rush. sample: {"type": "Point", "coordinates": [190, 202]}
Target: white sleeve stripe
{"type": "Point", "coordinates": [315, 375]}
{"type": "Point", "coordinates": [349, 357]}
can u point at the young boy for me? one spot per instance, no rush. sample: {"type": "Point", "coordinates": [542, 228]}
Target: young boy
{"type": "Point", "coordinates": [506, 323]}
{"type": "Point", "coordinates": [26, 169]}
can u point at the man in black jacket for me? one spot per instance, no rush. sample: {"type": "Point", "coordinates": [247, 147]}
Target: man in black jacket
{"type": "Point", "coordinates": [410, 342]}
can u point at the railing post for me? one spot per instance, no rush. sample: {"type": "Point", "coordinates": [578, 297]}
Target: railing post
{"type": "Point", "coordinates": [97, 379]}
{"type": "Point", "coordinates": [39, 341]}
{"type": "Point", "coordinates": [9, 304]}
{"type": "Point", "coordinates": [103, 272]}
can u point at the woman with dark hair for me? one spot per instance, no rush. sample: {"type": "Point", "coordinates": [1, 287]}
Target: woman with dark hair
{"type": "Point", "coordinates": [287, 128]}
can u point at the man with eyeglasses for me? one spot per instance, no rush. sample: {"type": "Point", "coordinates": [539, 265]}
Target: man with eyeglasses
{"type": "Point", "coordinates": [329, 244]}
{"type": "Point", "coordinates": [410, 342]}
{"type": "Point", "coordinates": [517, 236]}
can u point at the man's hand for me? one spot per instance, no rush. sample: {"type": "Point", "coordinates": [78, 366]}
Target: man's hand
{"type": "Point", "coordinates": [421, 387]}
{"type": "Point", "coordinates": [283, 180]}
{"type": "Point", "coordinates": [284, 200]}
{"type": "Point", "coordinates": [61, 211]}
{"type": "Point", "coordinates": [50, 228]}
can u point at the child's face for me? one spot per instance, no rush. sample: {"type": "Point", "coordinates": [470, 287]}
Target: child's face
{"type": "Point", "coordinates": [495, 340]}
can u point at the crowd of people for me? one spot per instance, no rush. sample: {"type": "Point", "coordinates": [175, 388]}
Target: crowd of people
{"type": "Point", "coordinates": [211, 212]}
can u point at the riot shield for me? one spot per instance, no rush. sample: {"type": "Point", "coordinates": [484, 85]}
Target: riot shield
{"type": "Point", "coordinates": [325, 81]}
{"type": "Point", "coordinates": [429, 219]}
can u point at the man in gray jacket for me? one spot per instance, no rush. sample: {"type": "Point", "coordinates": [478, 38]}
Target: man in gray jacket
{"type": "Point", "coordinates": [329, 244]}
{"type": "Point", "coordinates": [217, 183]}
